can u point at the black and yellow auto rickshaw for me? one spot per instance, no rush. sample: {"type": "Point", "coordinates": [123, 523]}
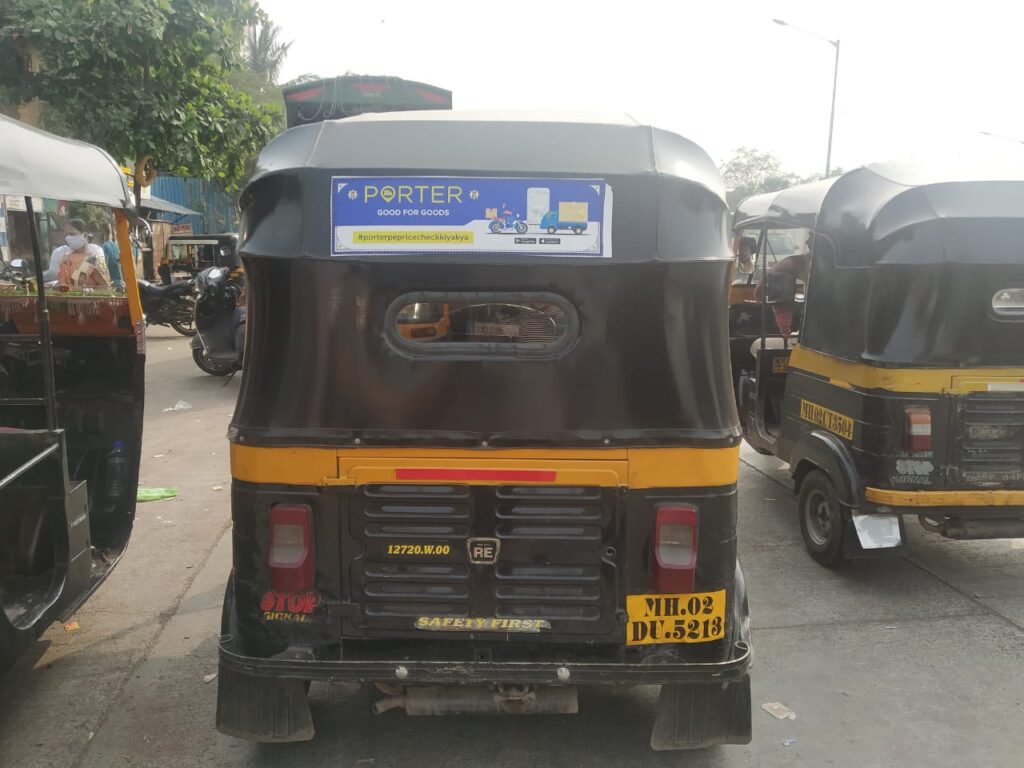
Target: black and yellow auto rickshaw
{"type": "Point", "coordinates": [480, 468]}
{"type": "Point", "coordinates": [905, 392]}
{"type": "Point", "coordinates": [190, 254]}
{"type": "Point", "coordinates": [72, 365]}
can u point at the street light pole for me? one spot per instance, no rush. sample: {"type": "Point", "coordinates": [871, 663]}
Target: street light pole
{"type": "Point", "coordinates": [835, 83]}
{"type": "Point", "coordinates": [1000, 136]}
{"type": "Point", "coordinates": [832, 114]}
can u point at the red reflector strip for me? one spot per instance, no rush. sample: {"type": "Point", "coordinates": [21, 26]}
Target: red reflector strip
{"type": "Point", "coordinates": [497, 475]}
{"type": "Point", "coordinates": [309, 93]}
{"type": "Point", "coordinates": [432, 97]}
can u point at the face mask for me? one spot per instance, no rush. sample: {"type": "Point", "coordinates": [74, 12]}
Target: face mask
{"type": "Point", "coordinates": [75, 241]}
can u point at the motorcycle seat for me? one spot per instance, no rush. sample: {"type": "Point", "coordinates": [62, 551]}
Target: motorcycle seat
{"type": "Point", "coordinates": [171, 291]}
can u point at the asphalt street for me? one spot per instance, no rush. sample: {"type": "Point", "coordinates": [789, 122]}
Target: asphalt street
{"type": "Point", "coordinates": [917, 660]}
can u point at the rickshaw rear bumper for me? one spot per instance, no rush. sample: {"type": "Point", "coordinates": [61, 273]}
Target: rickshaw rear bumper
{"type": "Point", "coordinates": [955, 514]}
{"type": "Point", "coordinates": [291, 665]}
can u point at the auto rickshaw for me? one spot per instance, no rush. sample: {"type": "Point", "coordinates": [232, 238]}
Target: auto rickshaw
{"type": "Point", "coordinates": [902, 393]}
{"type": "Point", "coordinates": [481, 469]}
{"type": "Point", "coordinates": [191, 254]}
{"type": "Point", "coordinates": [72, 365]}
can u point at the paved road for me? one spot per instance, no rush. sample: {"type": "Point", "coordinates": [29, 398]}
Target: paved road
{"type": "Point", "coordinates": [915, 661]}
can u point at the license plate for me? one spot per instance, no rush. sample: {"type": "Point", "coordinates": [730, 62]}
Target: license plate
{"type": "Point", "coordinates": [698, 617]}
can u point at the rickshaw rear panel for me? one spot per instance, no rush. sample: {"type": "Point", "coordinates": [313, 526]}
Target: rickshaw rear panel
{"type": "Point", "coordinates": [511, 461]}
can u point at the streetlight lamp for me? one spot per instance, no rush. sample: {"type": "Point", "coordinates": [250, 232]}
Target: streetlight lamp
{"type": "Point", "coordinates": [835, 81]}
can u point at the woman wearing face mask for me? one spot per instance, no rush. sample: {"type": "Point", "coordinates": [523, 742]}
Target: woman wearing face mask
{"type": "Point", "coordinates": [78, 263]}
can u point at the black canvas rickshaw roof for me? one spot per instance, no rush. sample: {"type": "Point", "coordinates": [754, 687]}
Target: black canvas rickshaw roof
{"type": "Point", "coordinates": [868, 213]}
{"type": "Point", "coordinates": [633, 157]}
{"type": "Point", "coordinates": [38, 164]}
{"type": "Point", "coordinates": [795, 206]}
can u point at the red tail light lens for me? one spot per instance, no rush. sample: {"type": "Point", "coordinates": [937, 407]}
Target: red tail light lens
{"type": "Point", "coordinates": [917, 436]}
{"type": "Point", "coordinates": [291, 548]}
{"type": "Point", "coordinates": [674, 559]}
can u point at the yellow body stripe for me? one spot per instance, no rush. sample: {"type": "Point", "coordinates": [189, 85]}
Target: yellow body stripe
{"type": "Point", "coordinates": [627, 467]}
{"type": "Point", "coordinates": [850, 375]}
{"type": "Point", "coordinates": [993, 498]}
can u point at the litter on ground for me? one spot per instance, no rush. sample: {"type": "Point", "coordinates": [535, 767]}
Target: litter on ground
{"type": "Point", "coordinates": [779, 711]}
{"type": "Point", "coordinates": [155, 494]}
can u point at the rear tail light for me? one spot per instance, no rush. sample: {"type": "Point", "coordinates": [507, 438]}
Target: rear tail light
{"type": "Point", "coordinates": [291, 548]}
{"type": "Point", "coordinates": [674, 559]}
{"type": "Point", "coordinates": [917, 436]}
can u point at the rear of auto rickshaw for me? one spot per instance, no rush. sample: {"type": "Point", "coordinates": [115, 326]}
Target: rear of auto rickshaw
{"type": "Point", "coordinates": [905, 393]}
{"type": "Point", "coordinates": [72, 366]}
{"type": "Point", "coordinates": [479, 468]}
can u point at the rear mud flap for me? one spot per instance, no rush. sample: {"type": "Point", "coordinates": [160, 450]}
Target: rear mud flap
{"type": "Point", "coordinates": [695, 716]}
{"type": "Point", "coordinates": [266, 709]}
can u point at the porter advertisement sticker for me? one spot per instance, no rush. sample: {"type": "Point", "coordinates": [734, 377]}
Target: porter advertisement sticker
{"type": "Point", "coordinates": [471, 215]}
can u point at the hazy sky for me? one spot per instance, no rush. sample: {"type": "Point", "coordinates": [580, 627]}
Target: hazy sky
{"type": "Point", "coordinates": [914, 77]}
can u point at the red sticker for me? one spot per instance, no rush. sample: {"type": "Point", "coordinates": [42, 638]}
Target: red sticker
{"type": "Point", "coordinates": [289, 602]}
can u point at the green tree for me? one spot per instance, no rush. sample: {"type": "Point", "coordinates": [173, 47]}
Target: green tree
{"type": "Point", "coordinates": [140, 77]}
{"type": "Point", "coordinates": [263, 52]}
{"type": "Point", "coordinates": [752, 171]}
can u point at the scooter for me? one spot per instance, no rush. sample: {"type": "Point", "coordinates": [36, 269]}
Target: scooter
{"type": "Point", "coordinates": [220, 321]}
{"type": "Point", "coordinates": [172, 305]}
{"type": "Point", "coordinates": [509, 223]}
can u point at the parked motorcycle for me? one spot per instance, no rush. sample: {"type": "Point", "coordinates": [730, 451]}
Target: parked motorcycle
{"type": "Point", "coordinates": [172, 305]}
{"type": "Point", "coordinates": [220, 321]}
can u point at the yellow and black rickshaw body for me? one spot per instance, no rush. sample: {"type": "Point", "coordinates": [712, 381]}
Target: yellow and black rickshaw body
{"type": "Point", "coordinates": [485, 514]}
{"type": "Point", "coordinates": [72, 390]}
{"type": "Point", "coordinates": [906, 388]}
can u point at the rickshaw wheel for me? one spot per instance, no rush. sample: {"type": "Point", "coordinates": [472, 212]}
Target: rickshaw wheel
{"type": "Point", "coordinates": [821, 518]}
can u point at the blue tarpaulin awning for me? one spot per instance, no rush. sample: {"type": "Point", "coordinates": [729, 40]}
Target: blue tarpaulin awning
{"type": "Point", "coordinates": [166, 206]}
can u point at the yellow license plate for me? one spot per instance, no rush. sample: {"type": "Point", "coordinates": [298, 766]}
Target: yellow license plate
{"type": "Point", "coordinates": [698, 617]}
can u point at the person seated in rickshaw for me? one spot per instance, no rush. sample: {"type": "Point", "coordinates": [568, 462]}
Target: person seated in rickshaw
{"type": "Point", "coordinates": [78, 263]}
{"type": "Point", "coordinates": [745, 256]}
{"type": "Point", "coordinates": [796, 268]}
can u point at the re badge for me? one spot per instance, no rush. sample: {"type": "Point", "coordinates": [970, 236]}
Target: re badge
{"type": "Point", "coordinates": [483, 551]}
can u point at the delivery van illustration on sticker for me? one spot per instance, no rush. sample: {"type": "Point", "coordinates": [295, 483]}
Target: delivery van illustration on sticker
{"type": "Point", "coordinates": [568, 216]}
{"type": "Point", "coordinates": [443, 214]}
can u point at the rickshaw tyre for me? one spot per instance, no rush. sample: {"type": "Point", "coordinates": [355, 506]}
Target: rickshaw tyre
{"type": "Point", "coordinates": [817, 488]}
{"type": "Point", "coordinates": [206, 366]}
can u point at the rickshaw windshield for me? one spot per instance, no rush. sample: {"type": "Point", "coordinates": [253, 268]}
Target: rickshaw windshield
{"type": "Point", "coordinates": [78, 241]}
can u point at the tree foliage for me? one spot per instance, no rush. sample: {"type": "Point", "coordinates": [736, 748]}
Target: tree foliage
{"type": "Point", "coordinates": [752, 171]}
{"type": "Point", "coordinates": [140, 77]}
{"type": "Point", "coordinates": [263, 52]}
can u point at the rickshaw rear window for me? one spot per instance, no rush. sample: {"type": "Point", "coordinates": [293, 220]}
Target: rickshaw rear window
{"type": "Point", "coordinates": [478, 324]}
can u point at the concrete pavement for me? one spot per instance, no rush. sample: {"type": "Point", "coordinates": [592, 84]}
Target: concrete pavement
{"type": "Point", "coordinates": [914, 661]}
